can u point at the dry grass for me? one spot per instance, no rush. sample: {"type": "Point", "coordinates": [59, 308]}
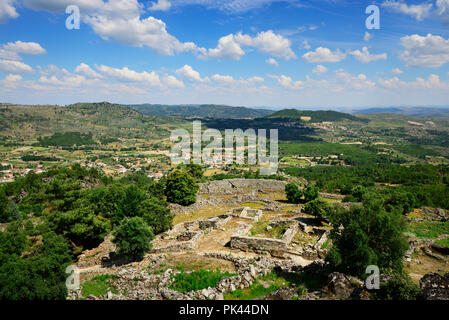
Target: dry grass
{"type": "Point", "coordinates": [422, 264]}
{"type": "Point", "coordinates": [302, 238]}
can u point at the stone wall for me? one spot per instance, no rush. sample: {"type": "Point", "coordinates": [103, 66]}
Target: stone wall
{"type": "Point", "coordinates": [232, 186]}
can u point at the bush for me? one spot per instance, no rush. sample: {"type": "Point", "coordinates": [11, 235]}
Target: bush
{"type": "Point", "coordinates": [133, 238]}
{"type": "Point", "coordinates": [181, 188]}
{"type": "Point", "coordinates": [399, 287]}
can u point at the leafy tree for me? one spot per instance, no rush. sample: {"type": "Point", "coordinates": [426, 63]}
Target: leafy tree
{"type": "Point", "coordinates": [403, 201]}
{"type": "Point", "coordinates": [293, 193]}
{"type": "Point", "coordinates": [39, 273]}
{"type": "Point", "coordinates": [366, 236]}
{"type": "Point", "coordinates": [311, 192]}
{"type": "Point", "coordinates": [133, 238]}
{"type": "Point", "coordinates": [129, 205]}
{"type": "Point", "coordinates": [181, 188]}
{"type": "Point", "coordinates": [156, 215]}
{"type": "Point", "coordinates": [318, 208]}
{"type": "Point", "coordinates": [195, 170]}
{"type": "Point", "coordinates": [80, 226]}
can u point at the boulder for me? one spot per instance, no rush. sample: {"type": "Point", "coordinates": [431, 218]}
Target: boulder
{"type": "Point", "coordinates": [435, 286]}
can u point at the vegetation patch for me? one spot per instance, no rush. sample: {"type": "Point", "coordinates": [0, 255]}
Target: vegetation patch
{"type": "Point", "coordinates": [98, 286]}
{"type": "Point", "coordinates": [198, 280]}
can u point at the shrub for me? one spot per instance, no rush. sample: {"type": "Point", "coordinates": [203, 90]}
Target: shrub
{"type": "Point", "coordinates": [399, 287]}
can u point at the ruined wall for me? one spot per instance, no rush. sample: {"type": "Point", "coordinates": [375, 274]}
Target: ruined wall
{"type": "Point", "coordinates": [232, 186]}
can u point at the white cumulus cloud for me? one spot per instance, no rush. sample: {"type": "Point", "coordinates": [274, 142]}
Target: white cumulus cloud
{"type": "Point", "coordinates": [321, 55]}
{"type": "Point", "coordinates": [365, 56]}
{"type": "Point", "coordinates": [417, 11]}
{"type": "Point", "coordinates": [430, 51]}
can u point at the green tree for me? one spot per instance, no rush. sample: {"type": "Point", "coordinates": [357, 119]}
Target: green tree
{"type": "Point", "coordinates": [318, 208]}
{"type": "Point", "coordinates": [195, 170]}
{"type": "Point", "coordinates": [311, 192]}
{"type": "Point", "coordinates": [367, 235]}
{"type": "Point", "coordinates": [133, 238]}
{"type": "Point", "coordinates": [293, 193]}
{"type": "Point", "coordinates": [181, 188]}
{"type": "Point", "coordinates": [39, 274]}
{"type": "Point", "coordinates": [156, 215]}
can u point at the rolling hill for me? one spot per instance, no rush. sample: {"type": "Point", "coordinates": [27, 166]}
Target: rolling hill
{"type": "Point", "coordinates": [201, 111]}
{"type": "Point", "coordinates": [315, 116]}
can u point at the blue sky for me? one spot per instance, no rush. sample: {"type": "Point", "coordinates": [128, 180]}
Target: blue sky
{"type": "Point", "coordinates": [297, 53]}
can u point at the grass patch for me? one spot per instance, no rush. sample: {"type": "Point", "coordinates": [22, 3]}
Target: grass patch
{"type": "Point", "coordinates": [275, 280]}
{"type": "Point", "coordinates": [259, 229]}
{"type": "Point", "coordinates": [429, 229]}
{"type": "Point", "coordinates": [197, 280]}
{"type": "Point", "coordinates": [253, 205]}
{"type": "Point", "coordinates": [444, 242]}
{"type": "Point", "coordinates": [98, 286]}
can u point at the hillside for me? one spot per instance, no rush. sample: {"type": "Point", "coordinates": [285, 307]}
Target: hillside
{"type": "Point", "coordinates": [100, 119]}
{"type": "Point", "coordinates": [201, 111]}
{"type": "Point", "coordinates": [316, 116]}
{"type": "Point", "coordinates": [409, 111]}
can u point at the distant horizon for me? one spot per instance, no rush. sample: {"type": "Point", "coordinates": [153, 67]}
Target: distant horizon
{"type": "Point", "coordinates": [269, 108]}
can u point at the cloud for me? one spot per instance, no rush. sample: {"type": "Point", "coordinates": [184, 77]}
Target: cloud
{"type": "Point", "coordinates": [367, 37]}
{"type": "Point", "coordinates": [306, 45]}
{"type": "Point", "coordinates": [365, 56]}
{"type": "Point", "coordinates": [171, 81]}
{"type": "Point", "coordinates": [7, 10]}
{"type": "Point", "coordinates": [230, 81]}
{"type": "Point", "coordinates": [427, 52]}
{"type": "Point", "coordinates": [14, 66]}
{"type": "Point", "coordinates": [442, 10]}
{"type": "Point", "coordinates": [227, 49]}
{"type": "Point", "coordinates": [358, 82]}
{"type": "Point", "coordinates": [288, 83]}
{"type": "Point", "coordinates": [84, 69]}
{"type": "Point", "coordinates": [149, 32]}
{"type": "Point", "coordinates": [419, 11]}
{"type": "Point", "coordinates": [187, 72]}
{"type": "Point", "coordinates": [228, 6]}
{"type": "Point", "coordinates": [272, 61]}
{"type": "Point", "coordinates": [9, 55]}
{"type": "Point", "coordinates": [222, 79]}
{"type": "Point", "coordinates": [13, 78]}
{"type": "Point", "coordinates": [230, 47]}
{"type": "Point", "coordinates": [319, 70]}
{"type": "Point", "coordinates": [321, 55]}
{"type": "Point", "coordinates": [160, 5]}
{"type": "Point", "coordinates": [31, 48]}
{"type": "Point", "coordinates": [397, 71]}
{"type": "Point", "coordinates": [432, 82]}
{"type": "Point", "coordinates": [130, 75]}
